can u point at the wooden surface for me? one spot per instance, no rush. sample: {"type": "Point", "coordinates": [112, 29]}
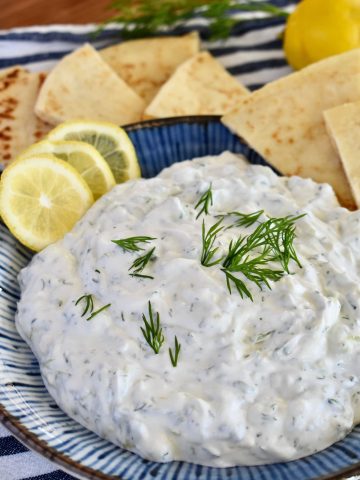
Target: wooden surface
{"type": "Point", "coordinates": [20, 13]}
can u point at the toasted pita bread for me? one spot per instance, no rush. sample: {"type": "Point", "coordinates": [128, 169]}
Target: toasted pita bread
{"type": "Point", "coordinates": [200, 86]}
{"type": "Point", "coordinates": [343, 125]}
{"type": "Point", "coordinates": [283, 121]}
{"type": "Point", "coordinates": [83, 86]}
{"type": "Point", "coordinates": [19, 127]}
{"type": "Point", "coordinates": [146, 64]}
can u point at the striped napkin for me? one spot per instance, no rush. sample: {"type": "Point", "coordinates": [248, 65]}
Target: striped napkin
{"type": "Point", "coordinates": [253, 54]}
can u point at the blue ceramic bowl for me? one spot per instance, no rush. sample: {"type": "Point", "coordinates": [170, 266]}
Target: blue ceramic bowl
{"type": "Point", "coordinates": [30, 413]}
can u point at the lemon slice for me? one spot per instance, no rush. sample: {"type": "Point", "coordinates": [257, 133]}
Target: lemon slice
{"type": "Point", "coordinates": [83, 157]}
{"type": "Point", "coordinates": [108, 139]}
{"type": "Point", "coordinates": [41, 199]}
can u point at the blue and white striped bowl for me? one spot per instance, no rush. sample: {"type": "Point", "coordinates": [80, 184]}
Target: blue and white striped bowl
{"type": "Point", "coordinates": [30, 413]}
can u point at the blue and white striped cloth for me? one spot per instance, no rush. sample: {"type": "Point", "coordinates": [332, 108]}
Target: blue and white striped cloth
{"type": "Point", "coordinates": [253, 54]}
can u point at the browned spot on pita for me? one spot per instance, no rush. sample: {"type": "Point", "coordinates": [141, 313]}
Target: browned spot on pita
{"type": "Point", "coordinates": [19, 126]}
{"type": "Point", "coordinates": [42, 77]}
{"type": "Point", "coordinates": [9, 79]}
{"type": "Point", "coordinates": [5, 134]}
{"type": "Point", "coordinates": [293, 105]}
{"type": "Point", "coordinates": [275, 136]}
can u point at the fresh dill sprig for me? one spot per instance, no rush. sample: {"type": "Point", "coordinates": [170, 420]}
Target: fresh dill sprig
{"type": "Point", "coordinates": [252, 255]}
{"type": "Point", "coordinates": [98, 311]}
{"type": "Point", "coordinates": [140, 263]}
{"type": "Point", "coordinates": [146, 17]}
{"type": "Point", "coordinates": [245, 219]}
{"type": "Point", "coordinates": [131, 244]}
{"type": "Point", "coordinates": [255, 270]}
{"type": "Point", "coordinates": [153, 331]}
{"type": "Point", "coordinates": [89, 306]}
{"type": "Point", "coordinates": [174, 357]}
{"type": "Point", "coordinates": [206, 200]}
{"type": "Point", "coordinates": [208, 239]}
{"type": "Point", "coordinates": [281, 236]}
{"type": "Point", "coordinates": [239, 284]}
{"type": "Point", "coordinates": [89, 303]}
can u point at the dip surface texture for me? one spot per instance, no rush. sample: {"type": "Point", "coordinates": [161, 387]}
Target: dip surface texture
{"type": "Point", "coordinates": [256, 382]}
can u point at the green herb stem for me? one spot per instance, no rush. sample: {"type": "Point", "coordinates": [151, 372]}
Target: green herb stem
{"type": "Point", "coordinates": [152, 330]}
{"type": "Point", "coordinates": [245, 219]}
{"type": "Point", "coordinates": [146, 17]}
{"type": "Point", "coordinates": [140, 263]}
{"type": "Point", "coordinates": [208, 240]}
{"type": "Point", "coordinates": [89, 306]}
{"type": "Point", "coordinates": [131, 244]}
{"type": "Point", "coordinates": [98, 311]}
{"type": "Point", "coordinates": [254, 254]}
{"type": "Point", "coordinates": [206, 200]}
{"type": "Point", "coordinates": [89, 303]}
{"type": "Point", "coordinates": [175, 356]}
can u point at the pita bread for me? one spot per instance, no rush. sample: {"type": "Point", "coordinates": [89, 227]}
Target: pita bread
{"type": "Point", "coordinates": [19, 127]}
{"type": "Point", "coordinates": [283, 121]}
{"type": "Point", "coordinates": [200, 86]}
{"type": "Point", "coordinates": [343, 125]}
{"type": "Point", "coordinates": [145, 65]}
{"type": "Point", "coordinates": [83, 86]}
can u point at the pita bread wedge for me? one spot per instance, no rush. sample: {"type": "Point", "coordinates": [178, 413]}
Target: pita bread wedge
{"type": "Point", "coordinates": [283, 121]}
{"type": "Point", "coordinates": [83, 86]}
{"type": "Point", "coordinates": [200, 86]}
{"type": "Point", "coordinates": [343, 124]}
{"type": "Point", "coordinates": [145, 65]}
{"type": "Point", "coordinates": [19, 126]}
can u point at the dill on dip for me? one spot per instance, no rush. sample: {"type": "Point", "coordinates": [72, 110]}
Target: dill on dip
{"type": "Point", "coordinates": [175, 356]}
{"type": "Point", "coordinates": [89, 306]}
{"type": "Point", "coordinates": [208, 239]}
{"type": "Point", "coordinates": [152, 331]}
{"type": "Point", "coordinates": [254, 255]}
{"type": "Point", "coordinates": [131, 244]}
{"type": "Point", "coordinates": [205, 201]}
{"type": "Point", "coordinates": [140, 263]}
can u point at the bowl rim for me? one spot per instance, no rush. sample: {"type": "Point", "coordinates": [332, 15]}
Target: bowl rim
{"type": "Point", "coordinates": [34, 443]}
{"type": "Point", "coordinates": [168, 121]}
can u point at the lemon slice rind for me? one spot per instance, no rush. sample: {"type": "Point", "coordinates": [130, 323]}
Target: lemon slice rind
{"type": "Point", "coordinates": [83, 157]}
{"type": "Point", "coordinates": [111, 141]}
{"type": "Point", "coordinates": [41, 199]}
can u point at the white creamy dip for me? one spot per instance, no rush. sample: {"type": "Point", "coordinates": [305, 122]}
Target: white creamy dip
{"type": "Point", "coordinates": [256, 382]}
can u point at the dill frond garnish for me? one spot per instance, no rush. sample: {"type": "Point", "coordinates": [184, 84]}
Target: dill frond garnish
{"type": "Point", "coordinates": [206, 200]}
{"type": "Point", "coordinates": [174, 357]}
{"type": "Point", "coordinates": [281, 236]}
{"type": "Point", "coordinates": [254, 254]}
{"type": "Point", "coordinates": [89, 304]}
{"type": "Point", "coordinates": [208, 240]}
{"type": "Point", "coordinates": [98, 311]}
{"type": "Point", "coordinates": [131, 244]}
{"type": "Point", "coordinates": [245, 219]}
{"type": "Point", "coordinates": [140, 263]}
{"type": "Point", "coordinates": [152, 330]}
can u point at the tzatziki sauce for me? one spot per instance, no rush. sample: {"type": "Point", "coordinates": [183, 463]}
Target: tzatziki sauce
{"type": "Point", "coordinates": [256, 382]}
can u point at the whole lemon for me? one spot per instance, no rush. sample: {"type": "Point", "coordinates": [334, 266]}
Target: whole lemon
{"type": "Point", "coordinates": [321, 28]}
